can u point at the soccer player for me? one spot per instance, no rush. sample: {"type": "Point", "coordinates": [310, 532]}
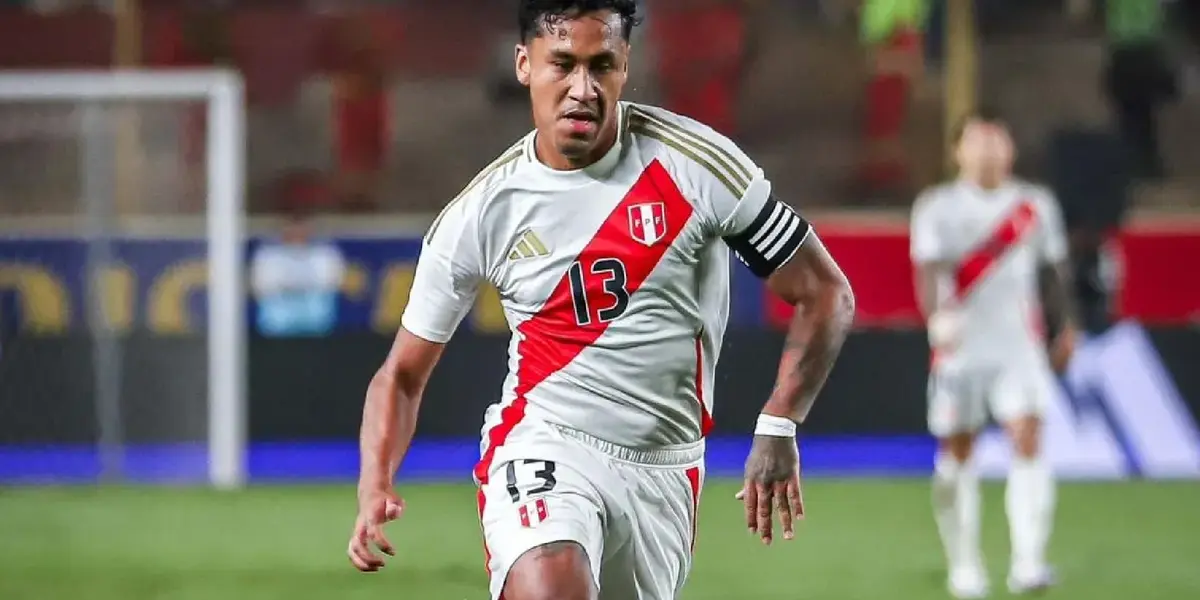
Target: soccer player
{"type": "Point", "coordinates": [989, 251]}
{"type": "Point", "coordinates": [607, 231]}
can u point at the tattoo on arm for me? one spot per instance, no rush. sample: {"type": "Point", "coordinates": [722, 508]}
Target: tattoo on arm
{"type": "Point", "coordinates": [1057, 297]}
{"type": "Point", "coordinates": [812, 282]}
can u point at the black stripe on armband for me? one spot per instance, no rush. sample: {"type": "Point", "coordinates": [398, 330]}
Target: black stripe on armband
{"type": "Point", "coordinates": [771, 239]}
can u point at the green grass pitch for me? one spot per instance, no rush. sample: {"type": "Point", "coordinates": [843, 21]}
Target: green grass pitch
{"type": "Point", "coordinates": [870, 540]}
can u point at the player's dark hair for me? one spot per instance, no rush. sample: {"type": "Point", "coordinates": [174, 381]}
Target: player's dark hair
{"type": "Point", "coordinates": [536, 16]}
{"type": "Point", "coordinates": [982, 114]}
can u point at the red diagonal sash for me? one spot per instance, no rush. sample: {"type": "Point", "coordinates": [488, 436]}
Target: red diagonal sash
{"type": "Point", "coordinates": [980, 260]}
{"type": "Point", "coordinates": [552, 338]}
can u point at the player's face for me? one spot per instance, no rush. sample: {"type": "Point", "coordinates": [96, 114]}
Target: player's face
{"type": "Point", "coordinates": [296, 231]}
{"type": "Point", "coordinates": [575, 70]}
{"type": "Point", "coordinates": [985, 150]}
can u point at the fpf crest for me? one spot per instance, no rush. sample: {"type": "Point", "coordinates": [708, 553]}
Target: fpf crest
{"type": "Point", "coordinates": [648, 222]}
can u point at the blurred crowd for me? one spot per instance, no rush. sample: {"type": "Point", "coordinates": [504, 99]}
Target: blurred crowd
{"type": "Point", "coordinates": [392, 105]}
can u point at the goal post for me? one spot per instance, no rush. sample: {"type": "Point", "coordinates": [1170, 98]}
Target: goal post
{"type": "Point", "coordinates": [222, 92]}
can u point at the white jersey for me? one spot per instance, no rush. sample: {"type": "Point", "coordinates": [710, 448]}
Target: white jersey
{"type": "Point", "coordinates": [995, 241]}
{"type": "Point", "coordinates": [613, 278]}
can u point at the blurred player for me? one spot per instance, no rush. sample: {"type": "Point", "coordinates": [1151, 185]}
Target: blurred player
{"type": "Point", "coordinates": [990, 250]}
{"type": "Point", "coordinates": [607, 232]}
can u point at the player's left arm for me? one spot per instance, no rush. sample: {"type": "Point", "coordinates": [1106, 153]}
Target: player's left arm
{"type": "Point", "coordinates": [811, 281]}
{"type": "Point", "coordinates": [780, 246]}
{"type": "Point", "coordinates": [1056, 285]}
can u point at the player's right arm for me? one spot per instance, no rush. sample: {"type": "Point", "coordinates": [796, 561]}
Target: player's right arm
{"type": "Point", "coordinates": [931, 267]}
{"type": "Point", "coordinates": [444, 288]}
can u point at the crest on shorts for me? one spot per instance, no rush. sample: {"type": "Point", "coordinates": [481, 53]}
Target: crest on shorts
{"type": "Point", "coordinates": [532, 513]}
{"type": "Point", "coordinates": [648, 222]}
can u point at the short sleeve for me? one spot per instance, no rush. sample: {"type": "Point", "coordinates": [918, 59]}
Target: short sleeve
{"type": "Point", "coordinates": [1052, 238]}
{"type": "Point", "coordinates": [734, 193]}
{"type": "Point", "coordinates": [925, 240]}
{"type": "Point", "coordinates": [449, 272]}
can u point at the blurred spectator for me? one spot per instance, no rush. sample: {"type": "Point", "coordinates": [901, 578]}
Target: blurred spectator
{"type": "Point", "coordinates": [296, 280]}
{"type": "Point", "coordinates": [892, 31]}
{"type": "Point", "coordinates": [1089, 175]}
{"type": "Point", "coordinates": [361, 106]}
{"type": "Point", "coordinates": [702, 54]}
{"type": "Point", "coordinates": [1187, 15]}
{"type": "Point", "coordinates": [1139, 80]}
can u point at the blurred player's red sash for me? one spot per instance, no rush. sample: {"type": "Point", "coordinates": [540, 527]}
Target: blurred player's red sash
{"type": "Point", "coordinates": [980, 260]}
{"type": "Point", "coordinates": [874, 256]}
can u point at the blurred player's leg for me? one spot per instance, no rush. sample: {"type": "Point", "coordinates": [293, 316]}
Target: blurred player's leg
{"type": "Point", "coordinates": [1030, 494]}
{"type": "Point", "coordinates": [956, 507]}
{"type": "Point", "coordinates": [956, 412]}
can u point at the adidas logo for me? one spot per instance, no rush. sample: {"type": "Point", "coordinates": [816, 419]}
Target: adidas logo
{"type": "Point", "coordinates": [528, 246]}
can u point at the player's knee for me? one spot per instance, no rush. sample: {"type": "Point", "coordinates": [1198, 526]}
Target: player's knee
{"type": "Point", "coordinates": [1025, 434]}
{"type": "Point", "coordinates": [554, 571]}
{"type": "Point", "coordinates": [957, 446]}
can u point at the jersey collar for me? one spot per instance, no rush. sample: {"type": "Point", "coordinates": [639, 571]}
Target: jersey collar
{"type": "Point", "coordinates": [1004, 190]}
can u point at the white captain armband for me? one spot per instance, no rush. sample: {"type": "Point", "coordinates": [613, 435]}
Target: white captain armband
{"type": "Point", "coordinates": [771, 239]}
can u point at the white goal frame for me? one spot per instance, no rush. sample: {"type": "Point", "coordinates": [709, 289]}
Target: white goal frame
{"type": "Point", "coordinates": [223, 92]}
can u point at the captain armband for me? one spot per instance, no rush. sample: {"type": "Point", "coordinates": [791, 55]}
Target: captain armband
{"type": "Point", "coordinates": [771, 239]}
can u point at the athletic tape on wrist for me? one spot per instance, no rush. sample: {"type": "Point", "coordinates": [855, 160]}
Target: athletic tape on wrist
{"type": "Point", "coordinates": [772, 426]}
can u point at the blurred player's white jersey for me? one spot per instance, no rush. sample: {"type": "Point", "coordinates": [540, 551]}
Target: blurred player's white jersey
{"type": "Point", "coordinates": [996, 240]}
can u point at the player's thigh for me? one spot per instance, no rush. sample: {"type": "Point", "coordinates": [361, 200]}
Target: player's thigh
{"type": "Point", "coordinates": [1018, 399]}
{"type": "Point", "coordinates": [542, 529]}
{"type": "Point", "coordinates": [1021, 389]}
{"type": "Point", "coordinates": [552, 571]}
{"type": "Point", "coordinates": [662, 504]}
{"type": "Point", "coordinates": [957, 404]}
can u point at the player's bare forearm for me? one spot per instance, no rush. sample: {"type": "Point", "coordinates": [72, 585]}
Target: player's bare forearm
{"type": "Point", "coordinates": [389, 421]}
{"type": "Point", "coordinates": [812, 282]}
{"type": "Point", "coordinates": [925, 282]}
{"type": "Point", "coordinates": [391, 407]}
{"type": "Point", "coordinates": [1058, 300]}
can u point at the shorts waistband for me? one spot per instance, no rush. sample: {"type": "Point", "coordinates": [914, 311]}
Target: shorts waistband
{"type": "Point", "coordinates": [680, 455]}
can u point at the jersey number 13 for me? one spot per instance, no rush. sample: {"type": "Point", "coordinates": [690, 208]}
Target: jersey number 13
{"type": "Point", "coordinates": [610, 299]}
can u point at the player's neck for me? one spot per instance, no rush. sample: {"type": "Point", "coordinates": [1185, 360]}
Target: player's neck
{"type": "Point", "coordinates": [548, 155]}
{"type": "Point", "coordinates": [987, 184]}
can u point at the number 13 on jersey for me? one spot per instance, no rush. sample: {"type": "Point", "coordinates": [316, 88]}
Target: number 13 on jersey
{"type": "Point", "coordinates": [608, 295]}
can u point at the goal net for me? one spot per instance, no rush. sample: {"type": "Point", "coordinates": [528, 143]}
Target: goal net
{"type": "Point", "coordinates": [122, 303]}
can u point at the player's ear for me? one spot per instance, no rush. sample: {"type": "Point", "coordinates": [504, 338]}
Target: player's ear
{"type": "Point", "coordinates": [521, 63]}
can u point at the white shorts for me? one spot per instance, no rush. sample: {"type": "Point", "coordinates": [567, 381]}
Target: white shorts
{"type": "Point", "coordinates": [633, 512]}
{"type": "Point", "coordinates": [963, 395]}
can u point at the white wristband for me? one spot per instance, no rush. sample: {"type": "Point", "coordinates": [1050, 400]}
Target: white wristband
{"type": "Point", "coordinates": [772, 426]}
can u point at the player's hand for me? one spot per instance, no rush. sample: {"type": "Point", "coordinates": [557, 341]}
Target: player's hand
{"type": "Point", "coordinates": [375, 508]}
{"type": "Point", "coordinates": [945, 330]}
{"type": "Point", "coordinates": [1062, 349]}
{"type": "Point", "coordinates": [772, 485]}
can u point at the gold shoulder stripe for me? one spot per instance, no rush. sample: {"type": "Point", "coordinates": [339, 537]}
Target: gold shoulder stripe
{"type": "Point", "coordinates": [721, 155]}
{"type": "Point", "coordinates": [504, 161]}
{"type": "Point", "coordinates": [626, 114]}
{"type": "Point", "coordinates": [735, 185]}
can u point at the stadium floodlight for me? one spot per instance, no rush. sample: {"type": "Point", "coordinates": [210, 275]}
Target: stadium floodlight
{"type": "Point", "coordinates": [221, 91]}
